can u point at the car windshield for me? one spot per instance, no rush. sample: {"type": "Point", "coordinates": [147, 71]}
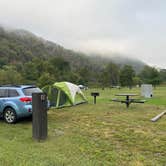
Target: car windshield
{"type": "Point", "coordinates": [30, 90]}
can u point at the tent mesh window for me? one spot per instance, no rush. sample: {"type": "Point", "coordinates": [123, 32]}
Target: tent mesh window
{"type": "Point", "coordinates": [53, 96]}
{"type": "Point", "coordinates": [63, 98]}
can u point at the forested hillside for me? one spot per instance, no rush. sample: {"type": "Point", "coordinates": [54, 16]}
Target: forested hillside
{"type": "Point", "coordinates": [36, 60]}
{"type": "Point", "coordinates": [22, 46]}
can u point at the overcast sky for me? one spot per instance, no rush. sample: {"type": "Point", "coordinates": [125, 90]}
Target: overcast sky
{"type": "Point", "coordinates": [133, 27]}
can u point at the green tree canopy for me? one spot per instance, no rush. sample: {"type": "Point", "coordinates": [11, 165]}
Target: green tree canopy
{"type": "Point", "coordinates": [9, 75]}
{"type": "Point", "coordinates": [126, 76]}
{"type": "Point", "coordinates": [150, 75]}
{"type": "Point", "coordinates": [163, 75]}
{"type": "Point", "coordinates": [110, 75]}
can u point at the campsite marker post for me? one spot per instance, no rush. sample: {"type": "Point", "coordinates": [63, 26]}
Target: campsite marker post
{"type": "Point", "coordinates": [39, 116]}
{"type": "Point", "coordinates": [94, 94]}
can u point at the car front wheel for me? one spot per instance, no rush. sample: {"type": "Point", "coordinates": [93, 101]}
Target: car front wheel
{"type": "Point", "coordinates": [10, 115]}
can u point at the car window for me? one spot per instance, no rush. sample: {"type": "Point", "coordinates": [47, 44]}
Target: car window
{"type": "Point", "coordinates": [29, 91]}
{"type": "Point", "coordinates": [12, 93]}
{"type": "Point", "coordinates": [3, 93]}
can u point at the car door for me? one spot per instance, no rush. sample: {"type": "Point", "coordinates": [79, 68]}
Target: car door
{"type": "Point", "coordinates": [3, 98]}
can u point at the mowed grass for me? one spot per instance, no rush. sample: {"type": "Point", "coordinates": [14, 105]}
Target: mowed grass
{"type": "Point", "coordinates": [92, 135]}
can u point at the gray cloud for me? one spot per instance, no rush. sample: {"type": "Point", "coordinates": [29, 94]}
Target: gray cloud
{"type": "Point", "coordinates": [132, 27]}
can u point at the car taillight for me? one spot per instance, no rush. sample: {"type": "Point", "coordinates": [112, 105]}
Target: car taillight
{"type": "Point", "coordinates": [26, 99]}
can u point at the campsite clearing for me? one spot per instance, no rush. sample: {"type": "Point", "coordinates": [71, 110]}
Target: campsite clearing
{"type": "Point", "coordinates": [90, 135]}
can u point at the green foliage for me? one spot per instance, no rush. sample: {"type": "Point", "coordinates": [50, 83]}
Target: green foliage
{"type": "Point", "coordinates": [45, 79]}
{"type": "Point", "coordinates": [150, 75]}
{"type": "Point", "coordinates": [9, 75]}
{"type": "Point", "coordinates": [126, 76]}
{"type": "Point", "coordinates": [137, 80]}
{"type": "Point", "coordinates": [30, 72]}
{"type": "Point", "coordinates": [3, 61]}
{"type": "Point", "coordinates": [85, 75]}
{"type": "Point", "coordinates": [110, 75]}
{"type": "Point", "coordinates": [163, 75]}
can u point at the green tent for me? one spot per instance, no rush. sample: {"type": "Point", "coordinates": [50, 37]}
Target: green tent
{"type": "Point", "coordinates": [62, 94]}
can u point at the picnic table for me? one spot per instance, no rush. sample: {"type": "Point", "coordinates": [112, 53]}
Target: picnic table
{"type": "Point", "coordinates": [128, 100]}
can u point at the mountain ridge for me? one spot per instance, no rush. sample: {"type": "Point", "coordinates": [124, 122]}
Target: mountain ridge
{"type": "Point", "coordinates": [18, 45]}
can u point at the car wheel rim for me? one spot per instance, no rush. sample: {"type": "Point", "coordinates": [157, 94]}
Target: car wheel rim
{"type": "Point", "coordinates": [9, 116]}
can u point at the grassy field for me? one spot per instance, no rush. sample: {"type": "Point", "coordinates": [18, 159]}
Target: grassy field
{"type": "Point", "coordinates": [92, 135]}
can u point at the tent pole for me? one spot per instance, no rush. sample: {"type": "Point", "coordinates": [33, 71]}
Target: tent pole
{"type": "Point", "coordinates": [58, 98]}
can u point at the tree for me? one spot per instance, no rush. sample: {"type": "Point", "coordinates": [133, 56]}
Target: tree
{"type": "Point", "coordinates": [9, 75]}
{"type": "Point", "coordinates": [137, 81]}
{"type": "Point", "coordinates": [163, 75]}
{"type": "Point", "coordinates": [110, 75]}
{"type": "Point", "coordinates": [59, 67]}
{"type": "Point", "coordinates": [30, 72]}
{"type": "Point", "coordinates": [84, 75]}
{"type": "Point", "coordinates": [126, 76]}
{"type": "Point", "coordinates": [45, 79]}
{"type": "Point", "coordinates": [60, 64]}
{"type": "Point", "coordinates": [150, 75]}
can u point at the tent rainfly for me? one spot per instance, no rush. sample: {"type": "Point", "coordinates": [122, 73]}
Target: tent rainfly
{"type": "Point", "coordinates": [62, 94]}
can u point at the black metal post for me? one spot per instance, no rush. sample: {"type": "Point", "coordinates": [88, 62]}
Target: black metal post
{"type": "Point", "coordinates": [94, 94]}
{"type": "Point", "coordinates": [39, 116]}
{"type": "Point", "coordinates": [94, 99]}
{"type": "Point", "coordinates": [127, 101]}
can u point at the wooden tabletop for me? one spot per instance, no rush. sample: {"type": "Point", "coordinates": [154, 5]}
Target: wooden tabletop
{"type": "Point", "coordinates": [126, 94]}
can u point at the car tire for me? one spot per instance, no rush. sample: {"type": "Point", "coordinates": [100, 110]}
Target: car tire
{"type": "Point", "coordinates": [10, 115]}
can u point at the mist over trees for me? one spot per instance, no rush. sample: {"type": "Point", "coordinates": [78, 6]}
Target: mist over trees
{"type": "Point", "coordinates": [27, 59]}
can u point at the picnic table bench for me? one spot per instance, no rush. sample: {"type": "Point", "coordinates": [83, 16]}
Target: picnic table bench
{"type": "Point", "coordinates": [128, 100]}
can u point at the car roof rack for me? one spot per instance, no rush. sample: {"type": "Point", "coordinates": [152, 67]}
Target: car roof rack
{"type": "Point", "coordinates": [10, 85]}
{"type": "Point", "coordinates": [18, 86]}
{"type": "Point", "coordinates": [27, 86]}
